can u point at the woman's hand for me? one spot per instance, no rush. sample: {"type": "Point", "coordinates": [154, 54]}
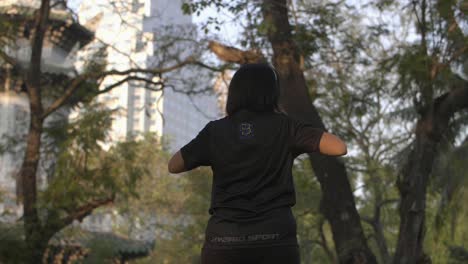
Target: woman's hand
{"type": "Point", "coordinates": [332, 145]}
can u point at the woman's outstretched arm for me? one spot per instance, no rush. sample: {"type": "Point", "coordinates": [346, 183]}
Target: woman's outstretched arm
{"type": "Point", "coordinates": [329, 144]}
{"type": "Point", "coordinates": [332, 145]}
{"type": "Point", "coordinates": [194, 154]}
{"type": "Point", "coordinates": [176, 163]}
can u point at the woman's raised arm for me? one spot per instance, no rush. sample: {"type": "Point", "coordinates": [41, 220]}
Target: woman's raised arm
{"type": "Point", "coordinates": [176, 164]}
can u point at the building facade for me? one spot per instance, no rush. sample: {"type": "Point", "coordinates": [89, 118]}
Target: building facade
{"type": "Point", "coordinates": [139, 34]}
{"type": "Point", "coordinates": [146, 34]}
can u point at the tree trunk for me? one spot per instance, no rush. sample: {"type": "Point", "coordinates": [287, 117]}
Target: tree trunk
{"type": "Point", "coordinates": [35, 242]}
{"type": "Point", "coordinates": [337, 203]}
{"type": "Point", "coordinates": [381, 242]}
{"type": "Point", "coordinates": [32, 224]}
{"type": "Point", "coordinates": [414, 177]}
{"type": "Point", "coordinates": [412, 184]}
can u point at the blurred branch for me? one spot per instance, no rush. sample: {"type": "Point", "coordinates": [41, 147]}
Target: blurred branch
{"type": "Point", "coordinates": [85, 210]}
{"type": "Point", "coordinates": [438, 67]}
{"type": "Point", "coordinates": [377, 226]}
{"type": "Point", "coordinates": [133, 78]}
{"type": "Point", "coordinates": [215, 69]}
{"type": "Point", "coordinates": [81, 212]}
{"type": "Point", "coordinates": [452, 102]}
{"type": "Point", "coordinates": [56, 223]}
{"type": "Point", "coordinates": [235, 55]}
{"type": "Point", "coordinates": [323, 242]}
{"type": "Point", "coordinates": [8, 59]}
{"type": "Point", "coordinates": [77, 81]}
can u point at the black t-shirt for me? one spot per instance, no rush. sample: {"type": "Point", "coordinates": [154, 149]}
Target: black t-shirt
{"type": "Point", "coordinates": [251, 155]}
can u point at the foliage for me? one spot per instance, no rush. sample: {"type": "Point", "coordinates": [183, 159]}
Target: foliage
{"type": "Point", "coordinates": [447, 213]}
{"type": "Point", "coordinates": [11, 244]}
{"type": "Point", "coordinates": [85, 175]}
{"type": "Point", "coordinates": [172, 208]}
{"type": "Point", "coordinates": [373, 68]}
{"type": "Point", "coordinates": [314, 235]}
{"type": "Point", "coordinates": [175, 208]}
{"type": "Point", "coordinates": [85, 170]}
{"type": "Point", "coordinates": [7, 31]}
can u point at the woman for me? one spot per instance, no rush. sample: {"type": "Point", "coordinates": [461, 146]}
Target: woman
{"type": "Point", "coordinates": [251, 153]}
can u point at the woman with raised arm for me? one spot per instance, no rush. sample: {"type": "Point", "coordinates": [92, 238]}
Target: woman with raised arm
{"type": "Point", "coordinates": [251, 153]}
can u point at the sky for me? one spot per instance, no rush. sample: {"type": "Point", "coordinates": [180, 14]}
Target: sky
{"type": "Point", "coordinates": [226, 34]}
{"type": "Point", "coordinates": [74, 4]}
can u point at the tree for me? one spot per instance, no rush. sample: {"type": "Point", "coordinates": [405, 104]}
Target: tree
{"type": "Point", "coordinates": [424, 78]}
{"type": "Point", "coordinates": [39, 228]}
{"type": "Point", "coordinates": [173, 207]}
{"type": "Point", "coordinates": [383, 86]}
{"type": "Point", "coordinates": [84, 175]}
{"type": "Point", "coordinates": [337, 203]}
{"type": "Point", "coordinates": [427, 72]}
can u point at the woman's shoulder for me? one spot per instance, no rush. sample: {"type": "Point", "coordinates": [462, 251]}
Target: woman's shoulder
{"type": "Point", "coordinates": [212, 124]}
{"type": "Point", "coordinates": [219, 120]}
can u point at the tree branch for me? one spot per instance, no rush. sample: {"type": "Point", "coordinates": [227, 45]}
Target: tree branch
{"type": "Point", "coordinates": [55, 223]}
{"type": "Point", "coordinates": [369, 220]}
{"type": "Point", "coordinates": [438, 67]}
{"type": "Point", "coordinates": [324, 243]}
{"type": "Point", "coordinates": [77, 81]}
{"type": "Point", "coordinates": [211, 68]}
{"type": "Point", "coordinates": [376, 224]}
{"type": "Point", "coordinates": [453, 102]}
{"type": "Point", "coordinates": [133, 78]}
{"type": "Point", "coordinates": [378, 208]}
{"type": "Point", "coordinates": [85, 210]}
{"type": "Point", "coordinates": [8, 59]}
{"type": "Point", "coordinates": [376, 217]}
{"type": "Point", "coordinates": [235, 55]}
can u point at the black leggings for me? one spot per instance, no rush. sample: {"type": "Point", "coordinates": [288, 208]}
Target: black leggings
{"type": "Point", "coordinates": [258, 255]}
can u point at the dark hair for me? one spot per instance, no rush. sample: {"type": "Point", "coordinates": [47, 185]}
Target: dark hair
{"type": "Point", "coordinates": [253, 87]}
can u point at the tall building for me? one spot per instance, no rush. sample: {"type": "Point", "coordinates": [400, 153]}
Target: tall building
{"type": "Point", "coordinates": [138, 33]}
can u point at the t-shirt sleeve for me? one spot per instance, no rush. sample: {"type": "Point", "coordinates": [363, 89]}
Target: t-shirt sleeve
{"type": "Point", "coordinates": [305, 138]}
{"type": "Point", "coordinates": [197, 151]}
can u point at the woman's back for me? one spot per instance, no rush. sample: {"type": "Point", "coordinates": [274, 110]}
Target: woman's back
{"type": "Point", "coordinates": [251, 165]}
{"type": "Point", "coordinates": [251, 155]}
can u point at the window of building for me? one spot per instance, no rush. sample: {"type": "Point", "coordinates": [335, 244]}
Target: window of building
{"type": "Point", "coordinates": [136, 5]}
{"type": "Point", "coordinates": [140, 44]}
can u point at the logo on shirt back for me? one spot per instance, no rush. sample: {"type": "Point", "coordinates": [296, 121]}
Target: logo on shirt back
{"type": "Point", "coordinates": [246, 130]}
